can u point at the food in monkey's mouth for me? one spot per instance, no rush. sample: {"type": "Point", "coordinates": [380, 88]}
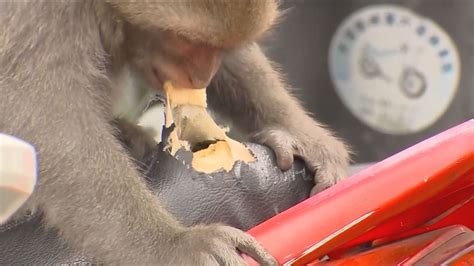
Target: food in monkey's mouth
{"type": "Point", "coordinates": [195, 131]}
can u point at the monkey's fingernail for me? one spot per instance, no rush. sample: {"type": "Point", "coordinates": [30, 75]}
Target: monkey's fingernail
{"type": "Point", "coordinates": [284, 162]}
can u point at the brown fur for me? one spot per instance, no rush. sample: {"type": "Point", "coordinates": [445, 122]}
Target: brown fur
{"type": "Point", "coordinates": [222, 23]}
{"type": "Point", "coordinates": [59, 61]}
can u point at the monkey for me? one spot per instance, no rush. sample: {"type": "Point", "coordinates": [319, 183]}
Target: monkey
{"type": "Point", "coordinates": [59, 63]}
{"type": "Point", "coordinates": [138, 142]}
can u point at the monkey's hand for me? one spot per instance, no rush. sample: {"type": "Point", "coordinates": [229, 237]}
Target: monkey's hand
{"type": "Point", "coordinates": [138, 142]}
{"type": "Point", "coordinates": [323, 154]}
{"type": "Point", "coordinates": [217, 245]}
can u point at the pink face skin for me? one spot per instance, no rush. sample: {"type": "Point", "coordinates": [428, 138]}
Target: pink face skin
{"type": "Point", "coordinates": [187, 64]}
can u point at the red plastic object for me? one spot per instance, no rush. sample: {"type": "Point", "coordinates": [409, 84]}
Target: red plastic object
{"type": "Point", "coordinates": [428, 186]}
{"type": "Point", "coordinates": [443, 246]}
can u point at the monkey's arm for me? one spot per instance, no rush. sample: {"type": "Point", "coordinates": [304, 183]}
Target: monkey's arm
{"type": "Point", "coordinates": [92, 193]}
{"type": "Point", "coordinates": [90, 190]}
{"type": "Point", "coordinates": [138, 142]}
{"type": "Point", "coordinates": [250, 90]}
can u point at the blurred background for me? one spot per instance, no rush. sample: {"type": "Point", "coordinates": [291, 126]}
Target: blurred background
{"type": "Point", "coordinates": [383, 75]}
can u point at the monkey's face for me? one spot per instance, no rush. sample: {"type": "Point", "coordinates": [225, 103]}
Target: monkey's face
{"type": "Point", "coordinates": [164, 55]}
{"type": "Point", "coordinates": [154, 31]}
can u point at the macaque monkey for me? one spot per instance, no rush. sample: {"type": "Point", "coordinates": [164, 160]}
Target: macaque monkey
{"type": "Point", "coordinates": [59, 65]}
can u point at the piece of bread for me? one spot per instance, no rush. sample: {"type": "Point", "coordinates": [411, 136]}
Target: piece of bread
{"type": "Point", "coordinates": [195, 131]}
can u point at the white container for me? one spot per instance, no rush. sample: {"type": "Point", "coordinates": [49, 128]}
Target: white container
{"type": "Point", "coordinates": [18, 174]}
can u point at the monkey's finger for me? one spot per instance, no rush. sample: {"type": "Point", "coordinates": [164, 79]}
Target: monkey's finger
{"type": "Point", "coordinates": [248, 245]}
{"type": "Point", "coordinates": [283, 150]}
{"type": "Point", "coordinates": [327, 176]}
{"type": "Point", "coordinates": [281, 143]}
{"type": "Point", "coordinates": [284, 158]}
{"type": "Point", "coordinates": [320, 186]}
{"type": "Point", "coordinates": [311, 164]}
{"type": "Point", "coordinates": [225, 254]}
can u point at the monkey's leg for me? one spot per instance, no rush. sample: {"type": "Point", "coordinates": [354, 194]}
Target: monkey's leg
{"type": "Point", "coordinates": [250, 90]}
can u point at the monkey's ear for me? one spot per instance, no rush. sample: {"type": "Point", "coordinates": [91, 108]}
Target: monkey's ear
{"type": "Point", "coordinates": [222, 23]}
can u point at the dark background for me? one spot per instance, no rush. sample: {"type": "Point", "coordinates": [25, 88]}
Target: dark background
{"type": "Point", "coordinates": [301, 44]}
